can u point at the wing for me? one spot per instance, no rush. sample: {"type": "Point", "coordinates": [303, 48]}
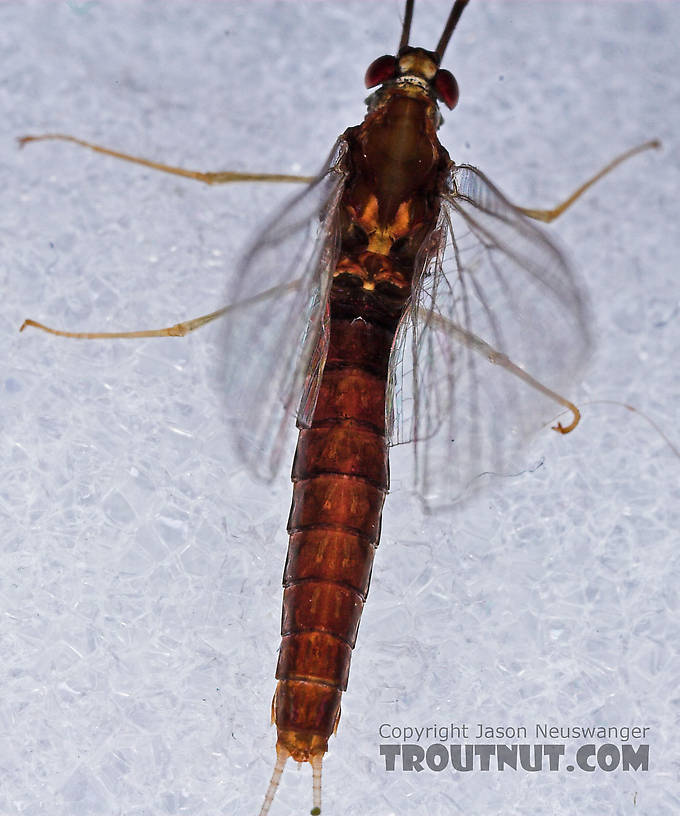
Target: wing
{"type": "Point", "coordinates": [276, 346]}
{"type": "Point", "coordinates": [490, 286]}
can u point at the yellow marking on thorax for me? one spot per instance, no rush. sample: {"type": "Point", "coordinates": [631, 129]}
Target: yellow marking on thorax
{"type": "Point", "coordinates": [381, 239]}
{"type": "Point", "coordinates": [380, 242]}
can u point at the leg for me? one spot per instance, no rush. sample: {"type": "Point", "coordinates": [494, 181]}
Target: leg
{"type": "Point", "coordinates": [207, 178]}
{"type": "Point", "coordinates": [178, 330]}
{"type": "Point", "coordinates": [498, 358]}
{"type": "Point", "coordinates": [551, 215]}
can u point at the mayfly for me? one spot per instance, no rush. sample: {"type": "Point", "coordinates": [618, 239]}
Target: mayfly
{"type": "Point", "coordinates": [394, 290]}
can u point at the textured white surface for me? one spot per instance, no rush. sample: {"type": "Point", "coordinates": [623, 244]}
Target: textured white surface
{"type": "Point", "coordinates": [140, 588]}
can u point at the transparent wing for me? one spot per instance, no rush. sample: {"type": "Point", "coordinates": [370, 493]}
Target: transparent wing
{"type": "Point", "coordinates": [276, 346]}
{"type": "Point", "coordinates": [490, 283]}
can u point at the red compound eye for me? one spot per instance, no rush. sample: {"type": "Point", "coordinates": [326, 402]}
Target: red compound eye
{"type": "Point", "coordinates": [446, 87]}
{"type": "Point", "coordinates": [380, 70]}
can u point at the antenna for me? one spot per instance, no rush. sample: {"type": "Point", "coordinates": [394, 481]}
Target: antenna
{"type": "Point", "coordinates": [451, 23]}
{"type": "Point", "coordinates": [406, 29]}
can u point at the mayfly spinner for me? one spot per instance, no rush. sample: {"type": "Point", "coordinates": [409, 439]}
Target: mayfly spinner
{"type": "Point", "coordinates": [395, 291]}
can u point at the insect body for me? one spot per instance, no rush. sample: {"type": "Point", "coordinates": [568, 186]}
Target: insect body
{"type": "Point", "coordinates": [392, 191]}
{"type": "Point", "coordinates": [340, 472]}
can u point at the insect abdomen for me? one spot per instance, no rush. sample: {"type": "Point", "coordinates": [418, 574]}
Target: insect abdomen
{"type": "Point", "coordinates": [340, 479]}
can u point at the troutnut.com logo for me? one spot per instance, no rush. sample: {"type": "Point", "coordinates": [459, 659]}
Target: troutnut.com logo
{"type": "Point", "coordinates": [460, 747]}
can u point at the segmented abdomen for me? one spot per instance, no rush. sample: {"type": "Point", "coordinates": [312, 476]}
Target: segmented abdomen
{"type": "Point", "coordinates": [340, 479]}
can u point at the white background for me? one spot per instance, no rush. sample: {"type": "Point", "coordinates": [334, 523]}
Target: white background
{"type": "Point", "coordinates": [140, 586]}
